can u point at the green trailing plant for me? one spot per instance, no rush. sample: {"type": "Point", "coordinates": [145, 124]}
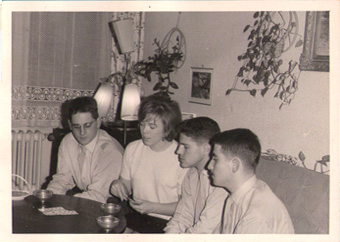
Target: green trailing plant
{"type": "Point", "coordinates": [262, 67]}
{"type": "Point", "coordinates": [163, 63]}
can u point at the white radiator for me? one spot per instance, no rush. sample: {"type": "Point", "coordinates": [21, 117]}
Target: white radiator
{"type": "Point", "coordinates": [26, 156]}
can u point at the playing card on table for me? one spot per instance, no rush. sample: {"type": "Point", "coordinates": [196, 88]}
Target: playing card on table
{"type": "Point", "coordinates": [57, 211]}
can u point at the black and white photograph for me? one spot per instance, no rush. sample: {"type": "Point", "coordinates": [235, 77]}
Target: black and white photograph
{"type": "Point", "coordinates": [201, 85]}
{"type": "Point", "coordinates": [150, 120]}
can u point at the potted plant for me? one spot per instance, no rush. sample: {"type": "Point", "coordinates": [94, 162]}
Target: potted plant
{"type": "Point", "coordinates": [162, 63]}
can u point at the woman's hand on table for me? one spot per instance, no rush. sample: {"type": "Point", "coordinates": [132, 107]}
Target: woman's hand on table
{"type": "Point", "coordinates": [142, 206]}
{"type": "Point", "coordinates": [119, 190]}
{"type": "Point", "coordinates": [145, 207]}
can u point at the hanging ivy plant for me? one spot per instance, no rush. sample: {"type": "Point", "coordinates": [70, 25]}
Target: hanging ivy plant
{"type": "Point", "coordinates": [262, 67]}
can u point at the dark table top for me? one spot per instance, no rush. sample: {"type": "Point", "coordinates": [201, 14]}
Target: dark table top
{"type": "Point", "coordinates": [28, 219]}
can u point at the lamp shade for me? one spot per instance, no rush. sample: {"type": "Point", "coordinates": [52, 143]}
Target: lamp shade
{"type": "Point", "coordinates": [122, 32]}
{"type": "Point", "coordinates": [104, 98]}
{"type": "Point", "coordinates": [130, 102]}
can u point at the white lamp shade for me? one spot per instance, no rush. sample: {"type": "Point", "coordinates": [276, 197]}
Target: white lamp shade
{"type": "Point", "coordinates": [130, 102]}
{"type": "Point", "coordinates": [123, 33]}
{"type": "Point", "coordinates": [104, 98]}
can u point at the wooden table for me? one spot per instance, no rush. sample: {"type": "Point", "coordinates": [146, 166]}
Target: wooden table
{"type": "Point", "coordinates": [28, 219]}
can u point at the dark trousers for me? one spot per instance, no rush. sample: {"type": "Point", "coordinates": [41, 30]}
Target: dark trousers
{"type": "Point", "coordinates": [141, 223]}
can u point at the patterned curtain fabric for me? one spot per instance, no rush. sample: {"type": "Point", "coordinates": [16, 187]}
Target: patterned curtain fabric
{"type": "Point", "coordinates": [61, 55]}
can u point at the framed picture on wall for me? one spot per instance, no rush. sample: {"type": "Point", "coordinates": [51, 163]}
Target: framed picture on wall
{"type": "Point", "coordinates": [315, 55]}
{"type": "Point", "coordinates": [201, 81]}
{"type": "Point", "coordinates": [187, 115]}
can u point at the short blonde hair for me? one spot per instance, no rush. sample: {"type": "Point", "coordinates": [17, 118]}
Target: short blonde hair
{"type": "Point", "coordinates": [164, 108]}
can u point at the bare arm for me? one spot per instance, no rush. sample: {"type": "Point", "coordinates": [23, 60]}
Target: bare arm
{"type": "Point", "coordinates": [121, 188]}
{"type": "Point", "coordinates": [143, 207]}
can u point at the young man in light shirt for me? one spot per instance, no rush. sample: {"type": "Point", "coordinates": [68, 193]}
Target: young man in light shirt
{"type": "Point", "coordinates": [88, 158]}
{"type": "Point", "coordinates": [252, 207]}
{"type": "Point", "coordinates": [200, 208]}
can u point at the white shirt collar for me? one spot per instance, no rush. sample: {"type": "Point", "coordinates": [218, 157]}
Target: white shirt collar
{"type": "Point", "coordinates": [90, 146]}
{"type": "Point", "coordinates": [239, 193]}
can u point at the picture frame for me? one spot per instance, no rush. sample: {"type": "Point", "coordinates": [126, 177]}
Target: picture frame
{"type": "Point", "coordinates": [201, 81]}
{"type": "Point", "coordinates": [187, 115]}
{"type": "Point", "coordinates": [315, 55]}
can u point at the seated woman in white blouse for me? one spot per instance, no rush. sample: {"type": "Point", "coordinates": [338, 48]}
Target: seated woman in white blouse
{"type": "Point", "coordinates": [151, 176]}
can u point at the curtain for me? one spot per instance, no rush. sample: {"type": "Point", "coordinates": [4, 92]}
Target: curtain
{"type": "Point", "coordinates": [58, 56]}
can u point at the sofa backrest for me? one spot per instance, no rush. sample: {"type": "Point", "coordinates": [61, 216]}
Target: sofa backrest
{"type": "Point", "coordinates": [304, 192]}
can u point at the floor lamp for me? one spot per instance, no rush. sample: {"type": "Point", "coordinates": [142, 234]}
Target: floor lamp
{"type": "Point", "coordinates": [122, 33]}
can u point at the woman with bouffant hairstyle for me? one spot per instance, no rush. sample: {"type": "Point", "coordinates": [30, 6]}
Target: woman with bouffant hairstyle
{"type": "Point", "coordinates": [151, 176]}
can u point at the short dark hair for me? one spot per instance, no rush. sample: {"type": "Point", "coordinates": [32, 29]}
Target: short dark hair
{"type": "Point", "coordinates": [242, 143]}
{"type": "Point", "coordinates": [83, 105]}
{"type": "Point", "coordinates": [200, 129]}
{"type": "Point", "coordinates": [166, 109]}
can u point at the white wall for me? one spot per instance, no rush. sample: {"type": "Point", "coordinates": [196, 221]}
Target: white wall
{"type": "Point", "coordinates": [214, 40]}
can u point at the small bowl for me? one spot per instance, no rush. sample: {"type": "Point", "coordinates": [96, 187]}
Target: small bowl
{"type": "Point", "coordinates": [43, 195]}
{"type": "Point", "coordinates": [107, 222]}
{"type": "Point", "coordinates": [19, 195]}
{"type": "Point", "coordinates": [110, 208]}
